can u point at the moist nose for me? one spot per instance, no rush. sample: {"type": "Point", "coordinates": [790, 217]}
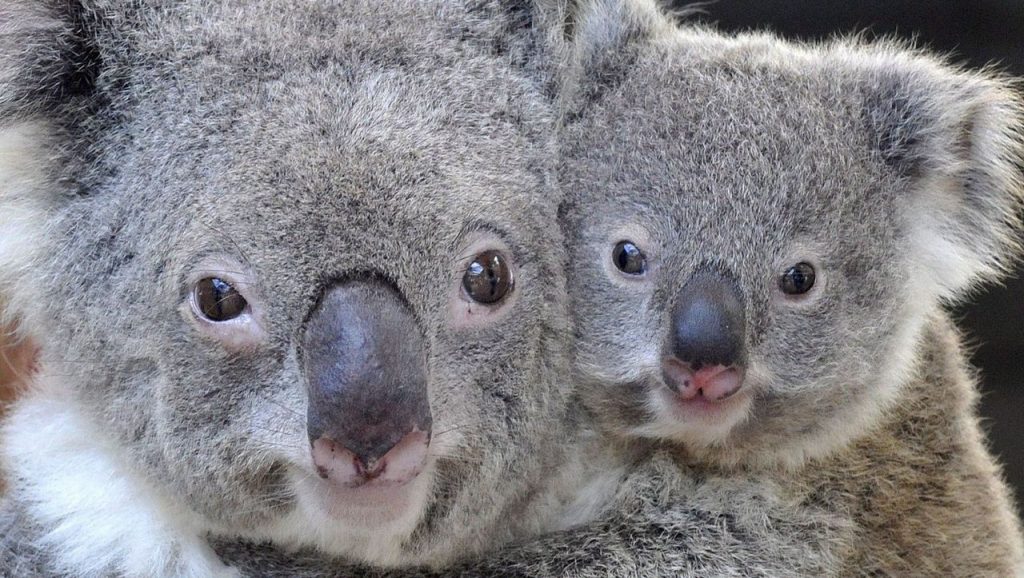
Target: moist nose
{"type": "Point", "coordinates": [364, 362]}
{"type": "Point", "coordinates": [708, 322]}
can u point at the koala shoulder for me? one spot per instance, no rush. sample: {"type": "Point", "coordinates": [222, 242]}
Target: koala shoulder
{"type": "Point", "coordinates": [923, 490]}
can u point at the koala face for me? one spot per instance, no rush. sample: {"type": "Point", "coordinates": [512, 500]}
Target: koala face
{"type": "Point", "coordinates": [758, 231]}
{"type": "Point", "coordinates": [306, 276]}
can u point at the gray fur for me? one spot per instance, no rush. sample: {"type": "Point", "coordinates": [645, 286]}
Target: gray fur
{"type": "Point", "coordinates": [651, 115]}
{"type": "Point", "coordinates": [303, 143]}
{"type": "Point", "coordinates": [896, 174]}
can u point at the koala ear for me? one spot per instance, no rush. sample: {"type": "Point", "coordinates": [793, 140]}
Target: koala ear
{"type": "Point", "coordinates": [957, 138]}
{"type": "Point", "coordinates": [44, 67]}
{"type": "Point", "coordinates": [45, 55]}
{"type": "Point", "coordinates": [605, 37]}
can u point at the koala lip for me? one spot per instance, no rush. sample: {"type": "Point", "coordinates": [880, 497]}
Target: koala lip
{"type": "Point", "coordinates": [697, 410]}
{"type": "Point", "coordinates": [708, 383]}
{"type": "Point", "coordinates": [342, 467]}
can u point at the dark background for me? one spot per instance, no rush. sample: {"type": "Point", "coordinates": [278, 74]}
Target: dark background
{"type": "Point", "coordinates": [976, 33]}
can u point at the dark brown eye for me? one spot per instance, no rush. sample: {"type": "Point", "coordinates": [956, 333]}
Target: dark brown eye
{"type": "Point", "coordinates": [629, 259]}
{"type": "Point", "coordinates": [217, 300]}
{"type": "Point", "coordinates": [797, 280]}
{"type": "Point", "coordinates": [488, 278]}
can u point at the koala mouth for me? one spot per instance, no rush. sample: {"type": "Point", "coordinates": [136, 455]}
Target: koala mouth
{"type": "Point", "coordinates": [393, 494]}
{"type": "Point", "coordinates": [696, 419]}
{"type": "Point", "coordinates": [699, 407]}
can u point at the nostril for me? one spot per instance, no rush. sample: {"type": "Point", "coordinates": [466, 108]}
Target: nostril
{"type": "Point", "coordinates": [335, 462]}
{"type": "Point", "coordinates": [338, 464]}
{"type": "Point", "coordinates": [719, 383]}
{"type": "Point", "coordinates": [679, 377]}
{"type": "Point", "coordinates": [406, 460]}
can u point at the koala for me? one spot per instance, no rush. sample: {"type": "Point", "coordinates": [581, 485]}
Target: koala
{"type": "Point", "coordinates": [677, 510]}
{"type": "Point", "coordinates": [763, 236]}
{"type": "Point", "coordinates": [296, 276]}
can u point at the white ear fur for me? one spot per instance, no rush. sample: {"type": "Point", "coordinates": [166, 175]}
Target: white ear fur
{"type": "Point", "coordinates": [26, 197]}
{"type": "Point", "coordinates": [959, 136]}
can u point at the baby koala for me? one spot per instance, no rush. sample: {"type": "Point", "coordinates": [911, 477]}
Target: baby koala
{"type": "Point", "coordinates": [296, 274]}
{"type": "Point", "coordinates": [763, 236]}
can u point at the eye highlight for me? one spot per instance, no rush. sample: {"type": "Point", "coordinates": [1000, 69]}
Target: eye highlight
{"type": "Point", "coordinates": [629, 258]}
{"type": "Point", "coordinates": [488, 278]}
{"type": "Point", "coordinates": [798, 279]}
{"type": "Point", "coordinates": [217, 300]}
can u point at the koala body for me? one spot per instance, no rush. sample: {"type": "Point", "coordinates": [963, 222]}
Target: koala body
{"type": "Point", "coordinates": [302, 282]}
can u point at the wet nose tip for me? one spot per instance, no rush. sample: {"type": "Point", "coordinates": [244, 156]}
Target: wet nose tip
{"type": "Point", "coordinates": [708, 322]}
{"type": "Point", "coordinates": [340, 465]}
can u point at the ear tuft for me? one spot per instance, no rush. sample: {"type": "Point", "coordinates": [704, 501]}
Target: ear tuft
{"type": "Point", "coordinates": [958, 138]}
{"type": "Point", "coordinates": [605, 36]}
{"type": "Point", "coordinates": [46, 56]}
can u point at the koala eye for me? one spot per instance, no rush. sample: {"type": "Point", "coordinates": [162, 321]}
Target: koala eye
{"type": "Point", "coordinates": [797, 280]}
{"type": "Point", "coordinates": [488, 279]}
{"type": "Point", "coordinates": [217, 300]}
{"type": "Point", "coordinates": [629, 259]}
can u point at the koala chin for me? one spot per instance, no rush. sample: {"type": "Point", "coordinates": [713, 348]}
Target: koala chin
{"type": "Point", "coordinates": [295, 273]}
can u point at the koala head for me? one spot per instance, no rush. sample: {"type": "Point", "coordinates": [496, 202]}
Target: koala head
{"type": "Point", "coordinates": [299, 268]}
{"type": "Point", "coordinates": [759, 229]}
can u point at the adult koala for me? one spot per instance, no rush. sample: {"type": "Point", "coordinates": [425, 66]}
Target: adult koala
{"type": "Point", "coordinates": [294, 268]}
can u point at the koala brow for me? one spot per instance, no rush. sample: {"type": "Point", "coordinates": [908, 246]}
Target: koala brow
{"type": "Point", "coordinates": [476, 226]}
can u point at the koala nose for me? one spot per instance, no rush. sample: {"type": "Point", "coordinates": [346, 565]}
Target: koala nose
{"type": "Point", "coordinates": [364, 362]}
{"type": "Point", "coordinates": [707, 341]}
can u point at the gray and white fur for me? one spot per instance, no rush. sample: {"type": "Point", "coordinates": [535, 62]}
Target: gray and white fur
{"type": "Point", "coordinates": [634, 153]}
{"type": "Point", "coordinates": [287, 149]}
{"type": "Point", "coordinates": [896, 175]}
{"type": "Point", "coordinates": [853, 446]}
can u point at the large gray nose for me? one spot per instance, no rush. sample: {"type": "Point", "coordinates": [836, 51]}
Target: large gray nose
{"type": "Point", "coordinates": [364, 361]}
{"type": "Point", "coordinates": [708, 322]}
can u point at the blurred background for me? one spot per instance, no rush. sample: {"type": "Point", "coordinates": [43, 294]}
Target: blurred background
{"type": "Point", "coordinates": [976, 33]}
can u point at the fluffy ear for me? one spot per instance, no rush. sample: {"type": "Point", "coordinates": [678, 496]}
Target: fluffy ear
{"type": "Point", "coordinates": [957, 138]}
{"type": "Point", "coordinates": [44, 66]}
{"type": "Point", "coordinates": [606, 37]}
{"type": "Point", "coordinates": [44, 55]}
